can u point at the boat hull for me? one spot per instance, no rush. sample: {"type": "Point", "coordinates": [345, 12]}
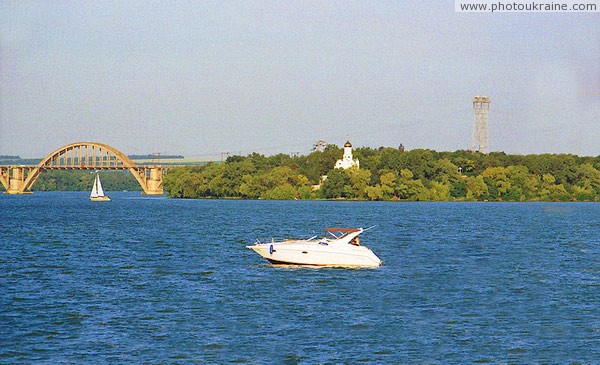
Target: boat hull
{"type": "Point", "coordinates": [104, 198]}
{"type": "Point", "coordinates": [317, 254]}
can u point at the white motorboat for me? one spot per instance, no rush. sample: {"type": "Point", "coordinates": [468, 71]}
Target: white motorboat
{"type": "Point", "coordinates": [339, 247]}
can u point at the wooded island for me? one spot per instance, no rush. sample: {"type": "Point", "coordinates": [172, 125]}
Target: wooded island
{"type": "Point", "coordinates": [393, 174]}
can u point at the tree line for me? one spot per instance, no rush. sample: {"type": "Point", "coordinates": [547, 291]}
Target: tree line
{"type": "Point", "coordinates": [83, 180]}
{"type": "Point", "coordinates": [391, 174]}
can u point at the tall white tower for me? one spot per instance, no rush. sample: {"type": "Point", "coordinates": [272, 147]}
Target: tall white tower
{"type": "Point", "coordinates": [481, 107]}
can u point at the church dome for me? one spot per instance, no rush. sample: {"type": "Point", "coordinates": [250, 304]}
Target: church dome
{"type": "Point", "coordinates": [347, 144]}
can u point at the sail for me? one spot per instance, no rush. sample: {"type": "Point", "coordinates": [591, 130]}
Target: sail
{"type": "Point", "coordinates": [100, 191]}
{"type": "Point", "coordinates": [94, 193]}
{"type": "Point", "coordinates": [97, 190]}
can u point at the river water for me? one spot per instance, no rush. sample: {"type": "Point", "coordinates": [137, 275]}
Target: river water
{"type": "Point", "coordinates": [155, 280]}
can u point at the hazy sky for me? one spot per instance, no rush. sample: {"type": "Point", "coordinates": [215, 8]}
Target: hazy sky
{"type": "Point", "coordinates": [199, 78]}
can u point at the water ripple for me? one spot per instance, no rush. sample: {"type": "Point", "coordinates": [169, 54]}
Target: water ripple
{"type": "Point", "coordinates": [170, 281]}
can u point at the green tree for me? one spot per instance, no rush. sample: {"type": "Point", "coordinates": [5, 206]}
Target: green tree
{"type": "Point", "coordinates": [392, 159]}
{"type": "Point", "coordinates": [445, 171]}
{"type": "Point", "coordinates": [421, 163]}
{"type": "Point", "coordinates": [335, 184]}
{"type": "Point", "coordinates": [359, 179]}
{"type": "Point", "coordinates": [496, 178]}
{"type": "Point", "coordinates": [410, 189]}
{"type": "Point", "coordinates": [328, 158]}
{"type": "Point", "coordinates": [464, 164]}
{"type": "Point", "coordinates": [550, 190]}
{"type": "Point", "coordinates": [439, 191]}
{"type": "Point", "coordinates": [388, 181]}
{"type": "Point", "coordinates": [476, 188]}
{"type": "Point", "coordinates": [252, 187]}
{"type": "Point", "coordinates": [374, 192]}
{"type": "Point", "coordinates": [281, 192]}
{"type": "Point", "coordinates": [523, 185]}
{"type": "Point", "coordinates": [587, 186]}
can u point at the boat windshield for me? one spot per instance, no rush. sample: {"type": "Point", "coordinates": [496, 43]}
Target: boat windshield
{"type": "Point", "coordinates": [338, 233]}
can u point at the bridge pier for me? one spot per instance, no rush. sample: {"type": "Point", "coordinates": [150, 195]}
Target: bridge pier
{"type": "Point", "coordinates": [13, 178]}
{"type": "Point", "coordinates": [154, 183]}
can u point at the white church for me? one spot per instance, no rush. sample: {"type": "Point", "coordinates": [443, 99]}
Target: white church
{"type": "Point", "coordinates": [346, 162]}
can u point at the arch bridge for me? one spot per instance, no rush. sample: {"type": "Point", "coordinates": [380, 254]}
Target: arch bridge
{"type": "Point", "coordinates": [82, 156]}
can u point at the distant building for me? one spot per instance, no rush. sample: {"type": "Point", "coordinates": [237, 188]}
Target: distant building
{"type": "Point", "coordinates": [319, 145]}
{"type": "Point", "coordinates": [346, 162]}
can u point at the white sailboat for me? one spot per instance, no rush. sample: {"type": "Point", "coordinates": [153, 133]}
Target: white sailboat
{"type": "Point", "coordinates": [97, 193]}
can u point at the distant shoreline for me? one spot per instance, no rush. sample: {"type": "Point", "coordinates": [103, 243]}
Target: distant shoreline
{"type": "Point", "coordinates": [385, 174]}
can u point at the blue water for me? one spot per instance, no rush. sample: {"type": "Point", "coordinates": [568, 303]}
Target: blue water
{"type": "Point", "coordinates": [155, 280]}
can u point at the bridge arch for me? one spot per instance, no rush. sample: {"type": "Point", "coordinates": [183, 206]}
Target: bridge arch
{"type": "Point", "coordinates": [91, 153]}
{"type": "Point", "coordinates": [86, 156]}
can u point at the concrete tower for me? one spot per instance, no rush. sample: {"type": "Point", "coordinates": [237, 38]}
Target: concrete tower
{"type": "Point", "coordinates": [481, 107]}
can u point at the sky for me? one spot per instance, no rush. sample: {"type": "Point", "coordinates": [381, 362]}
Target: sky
{"type": "Point", "coordinates": [200, 78]}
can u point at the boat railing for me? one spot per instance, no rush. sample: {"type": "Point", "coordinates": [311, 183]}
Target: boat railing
{"type": "Point", "coordinates": [286, 239]}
